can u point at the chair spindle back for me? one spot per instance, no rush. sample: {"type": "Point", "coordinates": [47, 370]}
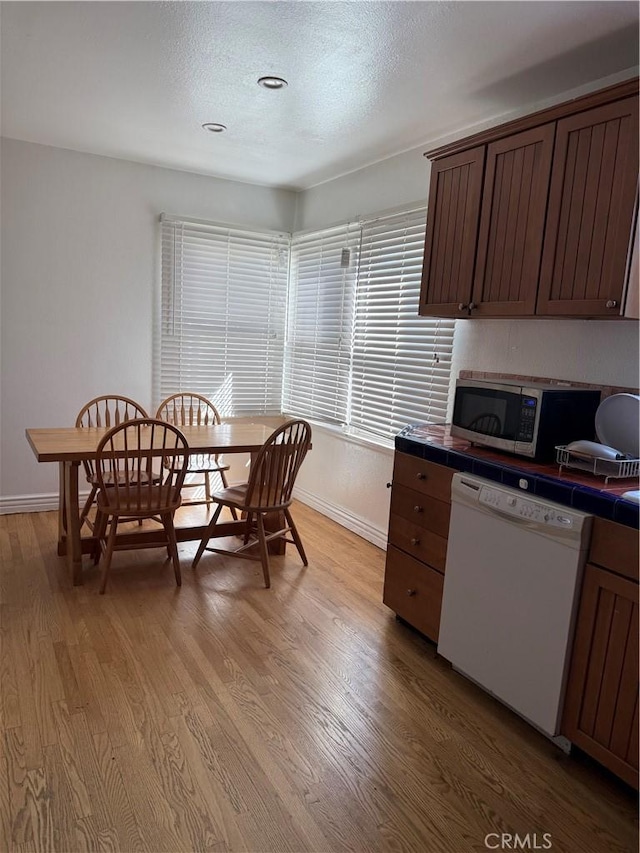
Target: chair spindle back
{"type": "Point", "coordinates": [274, 471]}
{"type": "Point", "coordinates": [124, 463]}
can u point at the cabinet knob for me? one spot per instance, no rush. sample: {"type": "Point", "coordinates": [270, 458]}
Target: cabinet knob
{"type": "Point", "coordinates": [472, 305]}
{"type": "Point", "coordinates": [415, 541]}
{"type": "Point", "coordinates": [411, 592]}
{"type": "Point", "coordinates": [421, 476]}
{"type": "Point", "coordinates": [462, 306]}
{"type": "Point", "coordinates": [417, 509]}
{"type": "Point", "coordinates": [389, 485]}
{"type": "Point", "coordinates": [612, 303]}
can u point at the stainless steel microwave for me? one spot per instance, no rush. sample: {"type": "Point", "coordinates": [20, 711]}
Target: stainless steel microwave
{"type": "Point", "coordinates": [528, 420]}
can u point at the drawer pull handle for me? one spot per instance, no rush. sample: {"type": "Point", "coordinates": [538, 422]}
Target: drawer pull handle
{"type": "Point", "coordinates": [421, 476]}
{"type": "Point", "coordinates": [415, 541]}
{"type": "Point", "coordinates": [417, 509]}
{"type": "Point", "coordinates": [411, 592]}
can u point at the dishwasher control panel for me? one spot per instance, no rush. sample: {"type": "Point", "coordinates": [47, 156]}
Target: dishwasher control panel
{"type": "Point", "coordinates": [511, 504]}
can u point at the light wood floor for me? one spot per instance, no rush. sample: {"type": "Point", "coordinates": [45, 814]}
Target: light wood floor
{"type": "Point", "coordinates": [227, 717]}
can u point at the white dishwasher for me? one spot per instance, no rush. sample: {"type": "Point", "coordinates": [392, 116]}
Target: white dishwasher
{"type": "Point", "coordinates": [512, 575]}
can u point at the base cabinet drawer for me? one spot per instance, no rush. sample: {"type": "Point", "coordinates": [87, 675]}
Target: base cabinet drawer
{"type": "Point", "coordinates": [429, 478]}
{"type": "Point", "coordinates": [417, 541]}
{"type": "Point", "coordinates": [414, 591]}
{"type": "Point", "coordinates": [421, 510]}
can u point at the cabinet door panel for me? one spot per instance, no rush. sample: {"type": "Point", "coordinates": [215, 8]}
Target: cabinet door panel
{"type": "Point", "coordinates": [590, 212]}
{"type": "Point", "coordinates": [452, 232]}
{"type": "Point", "coordinates": [514, 204]}
{"type": "Point", "coordinates": [600, 714]}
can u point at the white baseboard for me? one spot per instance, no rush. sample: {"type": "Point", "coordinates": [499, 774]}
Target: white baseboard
{"type": "Point", "coordinates": [33, 503]}
{"type": "Point", "coordinates": [28, 503]}
{"type": "Point", "coordinates": [342, 516]}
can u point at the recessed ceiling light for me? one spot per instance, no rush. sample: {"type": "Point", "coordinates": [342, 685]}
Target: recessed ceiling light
{"type": "Point", "coordinates": [214, 127]}
{"type": "Point", "coordinates": [272, 82]}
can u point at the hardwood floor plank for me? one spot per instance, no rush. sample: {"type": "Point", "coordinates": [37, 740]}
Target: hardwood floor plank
{"type": "Point", "coordinates": [39, 798]}
{"type": "Point", "coordinates": [21, 826]}
{"type": "Point", "coordinates": [223, 716]}
{"type": "Point", "coordinates": [5, 797]}
{"type": "Point", "coordinates": [118, 803]}
{"type": "Point", "coordinates": [9, 699]}
{"type": "Point", "coordinates": [61, 798]}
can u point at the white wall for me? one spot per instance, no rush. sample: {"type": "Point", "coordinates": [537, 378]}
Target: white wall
{"type": "Point", "coordinates": [79, 282]}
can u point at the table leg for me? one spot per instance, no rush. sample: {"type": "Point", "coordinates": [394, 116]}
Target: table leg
{"type": "Point", "coordinates": [62, 513]}
{"type": "Point", "coordinates": [72, 514]}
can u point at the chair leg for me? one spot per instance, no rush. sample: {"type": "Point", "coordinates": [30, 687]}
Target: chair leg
{"type": "Point", "coordinates": [247, 529]}
{"type": "Point", "coordinates": [207, 536]}
{"type": "Point", "coordinates": [87, 505]}
{"type": "Point", "coordinates": [207, 489]}
{"type": "Point", "coordinates": [167, 521]}
{"type": "Point", "coordinates": [225, 484]}
{"type": "Point", "coordinates": [264, 551]}
{"type": "Point", "coordinates": [296, 537]}
{"type": "Point", "coordinates": [99, 530]}
{"type": "Point", "coordinates": [108, 554]}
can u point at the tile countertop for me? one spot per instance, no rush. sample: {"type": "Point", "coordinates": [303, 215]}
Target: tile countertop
{"type": "Point", "coordinates": [578, 489]}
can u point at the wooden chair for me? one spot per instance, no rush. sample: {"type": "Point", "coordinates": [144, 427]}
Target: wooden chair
{"type": "Point", "coordinates": [107, 411]}
{"type": "Point", "coordinates": [127, 488]}
{"type": "Point", "coordinates": [267, 493]}
{"type": "Point", "coordinates": [194, 409]}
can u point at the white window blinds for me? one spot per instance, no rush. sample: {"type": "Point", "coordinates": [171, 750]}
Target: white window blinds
{"type": "Point", "coordinates": [318, 349]}
{"type": "Point", "coordinates": [401, 362]}
{"type": "Point", "coordinates": [223, 315]}
{"type": "Point", "coordinates": [357, 352]}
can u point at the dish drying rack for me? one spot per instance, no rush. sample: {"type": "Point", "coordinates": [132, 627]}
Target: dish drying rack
{"type": "Point", "coordinates": [608, 468]}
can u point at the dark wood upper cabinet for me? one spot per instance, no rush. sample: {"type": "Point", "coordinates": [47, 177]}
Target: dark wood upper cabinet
{"type": "Point", "coordinates": [591, 204]}
{"type": "Point", "coordinates": [534, 217]}
{"type": "Point", "coordinates": [514, 204]}
{"type": "Point", "coordinates": [452, 234]}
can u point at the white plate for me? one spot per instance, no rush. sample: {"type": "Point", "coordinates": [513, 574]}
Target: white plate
{"type": "Point", "coordinates": [618, 423]}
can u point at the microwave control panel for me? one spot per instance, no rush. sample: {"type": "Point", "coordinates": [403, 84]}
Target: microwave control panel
{"type": "Point", "coordinates": [528, 409]}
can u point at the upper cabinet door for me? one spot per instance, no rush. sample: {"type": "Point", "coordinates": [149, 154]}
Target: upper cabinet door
{"type": "Point", "coordinates": [514, 204]}
{"type": "Point", "coordinates": [590, 212]}
{"type": "Point", "coordinates": [452, 231]}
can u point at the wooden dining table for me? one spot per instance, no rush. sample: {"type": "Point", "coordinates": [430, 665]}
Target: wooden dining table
{"type": "Point", "coordinates": [71, 446]}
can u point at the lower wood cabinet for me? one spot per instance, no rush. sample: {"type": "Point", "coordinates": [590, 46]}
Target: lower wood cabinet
{"type": "Point", "coordinates": [417, 550]}
{"type": "Point", "coordinates": [601, 706]}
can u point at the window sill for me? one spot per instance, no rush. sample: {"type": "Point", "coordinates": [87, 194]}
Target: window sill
{"type": "Point", "coordinates": [380, 444]}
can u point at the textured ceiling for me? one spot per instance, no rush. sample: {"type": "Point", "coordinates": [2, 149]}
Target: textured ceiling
{"type": "Point", "coordinates": [366, 79]}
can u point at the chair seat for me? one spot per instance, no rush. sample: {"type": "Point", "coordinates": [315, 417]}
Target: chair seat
{"type": "Point", "coordinates": [232, 494]}
{"type": "Point", "coordinates": [202, 463]}
{"type": "Point", "coordinates": [142, 504]}
{"type": "Point", "coordinates": [237, 496]}
{"type": "Point", "coordinates": [108, 478]}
